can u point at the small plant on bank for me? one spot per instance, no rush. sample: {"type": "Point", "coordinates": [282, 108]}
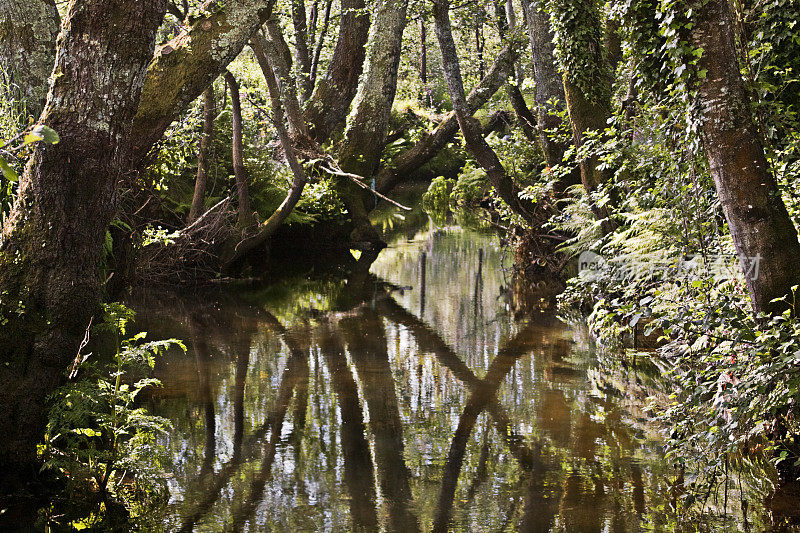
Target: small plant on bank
{"type": "Point", "coordinates": [104, 446]}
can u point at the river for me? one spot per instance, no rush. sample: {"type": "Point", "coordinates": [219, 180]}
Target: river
{"type": "Point", "coordinates": [403, 395]}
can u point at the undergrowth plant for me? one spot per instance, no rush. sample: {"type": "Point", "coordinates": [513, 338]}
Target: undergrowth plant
{"type": "Point", "coordinates": [100, 440]}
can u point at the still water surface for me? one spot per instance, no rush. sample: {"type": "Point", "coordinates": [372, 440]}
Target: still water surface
{"type": "Point", "coordinates": [404, 397]}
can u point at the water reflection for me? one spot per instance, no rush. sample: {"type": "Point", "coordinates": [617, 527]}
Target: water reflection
{"type": "Point", "coordinates": [404, 397]}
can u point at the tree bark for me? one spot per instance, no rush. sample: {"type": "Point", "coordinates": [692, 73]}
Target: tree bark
{"type": "Point", "coordinates": [549, 87]}
{"type": "Point", "coordinates": [50, 250]}
{"type": "Point", "coordinates": [203, 155]}
{"type": "Point", "coordinates": [365, 136]}
{"type": "Point", "coordinates": [302, 55]}
{"type": "Point", "coordinates": [185, 66]}
{"type": "Point", "coordinates": [330, 103]}
{"type": "Point", "coordinates": [28, 30]}
{"type": "Point", "coordinates": [281, 61]}
{"type": "Point", "coordinates": [321, 41]}
{"type": "Point", "coordinates": [587, 79]}
{"type": "Point", "coordinates": [470, 127]}
{"type": "Point", "coordinates": [431, 144]}
{"type": "Point", "coordinates": [239, 170]}
{"type": "Point", "coordinates": [756, 215]}
{"type": "Point", "coordinates": [366, 131]}
{"type": "Point", "coordinates": [423, 50]}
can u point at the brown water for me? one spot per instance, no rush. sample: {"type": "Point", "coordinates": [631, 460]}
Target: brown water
{"type": "Point", "coordinates": [402, 398]}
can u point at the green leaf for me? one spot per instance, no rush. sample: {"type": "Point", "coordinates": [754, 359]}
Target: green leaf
{"type": "Point", "coordinates": [8, 171]}
{"type": "Point", "coordinates": [41, 133]}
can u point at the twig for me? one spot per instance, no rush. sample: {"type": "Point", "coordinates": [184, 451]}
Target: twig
{"type": "Point", "coordinates": [357, 180]}
{"type": "Point", "coordinates": [78, 358]}
{"type": "Point", "coordinates": [204, 215]}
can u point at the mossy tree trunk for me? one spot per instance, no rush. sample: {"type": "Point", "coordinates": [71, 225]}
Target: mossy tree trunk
{"type": "Point", "coordinates": [365, 136]}
{"type": "Point", "coordinates": [579, 38]}
{"type": "Point", "coordinates": [185, 66]}
{"type": "Point", "coordinates": [50, 252]}
{"type": "Point", "coordinates": [329, 105]}
{"type": "Point", "coordinates": [549, 87]}
{"type": "Point", "coordinates": [28, 30]}
{"type": "Point", "coordinates": [764, 235]}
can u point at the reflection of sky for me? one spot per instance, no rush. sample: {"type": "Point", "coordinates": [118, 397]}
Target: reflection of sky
{"type": "Point", "coordinates": [464, 285]}
{"type": "Point", "coordinates": [600, 470]}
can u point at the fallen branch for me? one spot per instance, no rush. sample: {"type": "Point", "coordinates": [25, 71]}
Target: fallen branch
{"type": "Point", "coordinates": [357, 180]}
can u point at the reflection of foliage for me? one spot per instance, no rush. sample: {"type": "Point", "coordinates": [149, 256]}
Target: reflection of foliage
{"type": "Point", "coordinates": [436, 201]}
{"type": "Point", "coordinates": [99, 442]}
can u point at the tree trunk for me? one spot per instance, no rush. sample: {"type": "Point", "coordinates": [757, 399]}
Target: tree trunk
{"type": "Point", "coordinates": [423, 51]}
{"type": "Point", "coordinates": [763, 233]}
{"type": "Point", "coordinates": [330, 103]}
{"type": "Point", "coordinates": [321, 41]}
{"type": "Point", "coordinates": [366, 130]}
{"type": "Point", "coordinates": [185, 66]}
{"type": "Point", "coordinates": [281, 60]}
{"type": "Point", "coordinates": [302, 55]}
{"type": "Point", "coordinates": [265, 230]}
{"type": "Point", "coordinates": [587, 79]}
{"type": "Point", "coordinates": [470, 127]}
{"type": "Point", "coordinates": [365, 136]}
{"type": "Point", "coordinates": [50, 252]}
{"type": "Point", "coordinates": [431, 144]}
{"type": "Point", "coordinates": [203, 155]}
{"type": "Point", "coordinates": [239, 170]}
{"type": "Point", "coordinates": [28, 30]}
{"type": "Point", "coordinates": [549, 87]}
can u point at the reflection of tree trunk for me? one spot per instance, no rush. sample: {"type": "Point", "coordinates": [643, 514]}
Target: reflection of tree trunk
{"type": "Point", "coordinates": [423, 261]}
{"type": "Point", "coordinates": [366, 343]}
{"type": "Point", "coordinates": [478, 297]}
{"type": "Point", "coordinates": [430, 342]}
{"type": "Point", "coordinates": [212, 490]}
{"type": "Point", "coordinates": [240, 379]}
{"type": "Point", "coordinates": [481, 396]}
{"type": "Point", "coordinates": [291, 376]}
{"type": "Point", "coordinates": [202, 360]}
{"type": "Point", "coordinates": [358, 468]}
{"type": "Point", "coordinates": [203, 154]}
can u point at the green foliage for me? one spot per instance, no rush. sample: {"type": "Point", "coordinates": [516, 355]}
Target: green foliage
{"type": "Point", "coordinates": [99, 440]}
{"type": "Point", "coordinates": [578, 39]}
{"type": "Point", "coordinates": [14, 130]}
{"type": "Point", "coordinates": [436, 200]}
